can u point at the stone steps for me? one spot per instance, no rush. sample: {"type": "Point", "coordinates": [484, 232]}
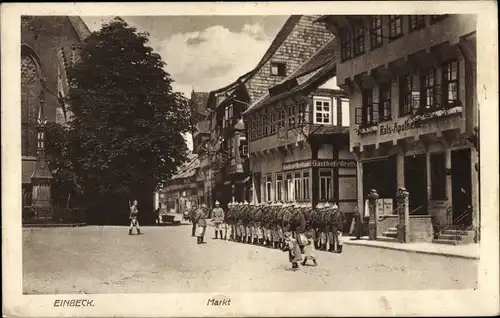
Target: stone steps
{"type": "Point", "coordinates": [455, 237]}
{"type": "Point", "coordinates": [387, 239]}
{"type": "Point", "coordinates": [391, 233]}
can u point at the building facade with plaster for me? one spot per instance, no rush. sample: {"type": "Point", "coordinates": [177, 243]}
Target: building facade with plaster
{"type": "Point", "coordinates": [411, 81]}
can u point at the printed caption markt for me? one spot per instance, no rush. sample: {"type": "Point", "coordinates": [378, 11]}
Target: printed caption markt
{"type": "Point", "coordinates": [73, 303]}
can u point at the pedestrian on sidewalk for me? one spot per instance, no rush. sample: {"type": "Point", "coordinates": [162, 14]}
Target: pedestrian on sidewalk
{"type": "Point", "coordinates": [201, 216]}
{"type": "Point", "coordinates": [292, 247]}
{"type": "Point", "coordinates": [134, 211]}
{"type": "Point", "coordinates": [218, 219]}
{"type": "Point", "coordinates": [358, 224]}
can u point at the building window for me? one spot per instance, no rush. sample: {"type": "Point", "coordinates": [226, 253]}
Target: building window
{"type": "Point", "coordinates": [427, 87]}
{"type": "Point", "coordinates": [345, 118]}
{"type": "Point", "coordinates": [376, 32]}
{"type": "Point", "coordinates": [405, 95]}
{"type": "Point", "coordinates": [395, 29]}
{"type": "Point", "coordinates": [438, 176]}
{"type": "Point", "coordinates": [345, 44]}
{"type": "Point", "coordinates": [438, 17]}
{"type": "Point", "coordinates": [358, 40]}
{"type": "Point", "coordinates": [385, 102]}
{"type": "Point", "coordinates": [302, 113]}
{"type": "Point", "coordinates": [244, 150]}
{"type": "Point", "coordinates": [272, 127]}
{"type": "Point", "coordinates": [368, 112]}
{"type": "Point", "coordinates": [281, 118]}
{"type": "Point", "coordinates": [289, 188]}
{"type": "Point", "coordinates": [305, 185]}
{"type": "Point", "coordinates": [291, 115]}
{"type": "Point", "coordinates": [325, 185]}
{"type": "Point", "coordinates": [279, 187]}
{"type": "Point", "coordinates": [264, 125]}
{"type": "Point", "coordinates": [269, 184]}
{"type": "Point", "coordinates": [278, 69]}
{"type": "Point", "coordinates": [322, 111]}
{"type": "Point", "coordinates": [296, 185]}
{"type": "Point", "coordinates": [450, 84]}
{"type": "Point", "coordinates": [259, 126]}
{"type": "Point", "coordinates": [416, 22]}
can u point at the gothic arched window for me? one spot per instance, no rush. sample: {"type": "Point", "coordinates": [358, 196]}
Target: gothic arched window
{"type": "Point", "coordinates": [31, 89]}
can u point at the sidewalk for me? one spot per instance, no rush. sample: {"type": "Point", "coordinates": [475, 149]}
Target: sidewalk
{"type": "Point", "coordinates": [468, 251]}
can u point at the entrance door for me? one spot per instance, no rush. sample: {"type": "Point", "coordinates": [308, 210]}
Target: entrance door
{"type": "Point", "coordinates": [381, 176]}
{"type": "Point", "coordinates": [461, 184]}
{"type": "Point", "coordinates": [416, 183]}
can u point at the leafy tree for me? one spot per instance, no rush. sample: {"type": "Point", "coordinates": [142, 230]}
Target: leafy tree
{"type": "Point", "coordinates": [125, 137]}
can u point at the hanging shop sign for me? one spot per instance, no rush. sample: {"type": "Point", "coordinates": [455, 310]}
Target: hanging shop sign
{"type": "Point", "coordinates": [339, 163]}
{"type": "Point", "coordinates": [297, 165]}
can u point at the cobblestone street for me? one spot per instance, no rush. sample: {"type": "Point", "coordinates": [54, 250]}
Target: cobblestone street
{"type": "Point", "coordinates": [167, 259]}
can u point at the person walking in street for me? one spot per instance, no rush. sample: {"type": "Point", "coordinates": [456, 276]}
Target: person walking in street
{"type": "Point", "coordinates": [134, 212]}
{"type": "Point", "coordinates": [337, 229]}
{"type": "Point", "coordinates": [192, 218]}
{"type": "Point", "coordinates": [291, 246]}
{"type": "Point", "coordinates": [201, 216]}
{"type": "Point", "coordinates": [218, 219]}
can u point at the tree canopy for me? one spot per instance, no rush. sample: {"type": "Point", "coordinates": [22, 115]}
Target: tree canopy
{"type": "Point", "coordinates": [125, 135]}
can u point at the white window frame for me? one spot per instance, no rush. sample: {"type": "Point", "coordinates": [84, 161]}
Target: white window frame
{"type": "Point", "coordinates": [323, 101]}
{"type": "Point", "coordinates": [345, 112]}
{"type": "Point", "coordinates": [326, 181]}
{"type": "Point", "coordinates": [289, 187]}
{"type": "Point", "coordinates": [279, 187]}
{"type": "Point", "coordinates": [268, 188]}
{"type": "Point", "coordinates": [306, 181]}
{"type": "Point", "coordinates": [297, 180]}
{"type": "Point", "coordinates": [292, 115]}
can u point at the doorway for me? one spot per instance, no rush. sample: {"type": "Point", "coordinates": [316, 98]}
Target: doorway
{"type": "Point", "coordinates": [461, 185]}
{"type": "Point", "coordinates": [381, 175]}
{"type": "Point", "coordinates": [415, 174]}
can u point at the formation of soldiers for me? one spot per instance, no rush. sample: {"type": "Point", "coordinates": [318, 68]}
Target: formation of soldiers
{"type": "Point", "coordinates": [265, 224]}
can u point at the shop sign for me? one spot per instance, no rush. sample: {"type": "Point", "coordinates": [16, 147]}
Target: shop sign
{"type": "Point", "coordinates": [339, 163]}
{"type": "Point", "coordinates": [388, 129]}
{"type": "Point", "coordinates": [297, 165]}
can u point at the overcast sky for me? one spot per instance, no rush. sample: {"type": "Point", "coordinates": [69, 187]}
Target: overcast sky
{"type": "Point", "coordinates": [205, 52]}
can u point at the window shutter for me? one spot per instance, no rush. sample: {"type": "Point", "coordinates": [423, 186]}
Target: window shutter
{"type": "Point", "coordinates": [375, 112]}
{"type": "Point", "coordinates": [358, 115]}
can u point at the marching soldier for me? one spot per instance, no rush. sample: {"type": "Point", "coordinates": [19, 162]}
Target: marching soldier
{"type": "Point", "coordinates": [317, 225]}
{"type": "Point", "coordinates": [228, 222]}
{"type": "Point", "coordinates": [324, 226]}
{"type": "Point", "coordinates": [279, 221]}
{"type": "Point", "coordinates": [245, 217]}
{"type": "Point", "coordinates": [241, 221]}
{"type": "Point", "coordinates": [250, 215]}
{"type": "Point", "coordinates": [256, 223]}
{"type": "Point", "coordinates": [237, 221]}
{"type": "Point", "coordinates": [218, 219]}
{"type": "Point", "coordinates": [267, 225]}
{"type": "Point", "coordinates": [298, 226]}
{"type": "Point", "coordinates": [286, 216]}
{"type": "Point", "coordinates": [274, 225]}
{"type": "Point", "coordinates": [337, 229]}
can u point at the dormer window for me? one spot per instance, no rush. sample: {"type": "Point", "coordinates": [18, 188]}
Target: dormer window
{"type": "Point", "coordinates": [322, 110]}
{"type": "Point", "coordinates": [278, 69]}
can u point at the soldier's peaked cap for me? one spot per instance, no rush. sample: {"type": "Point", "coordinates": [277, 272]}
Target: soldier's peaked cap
{"type": "Point", "coordinates": [326, 205]}
{"type": "Point", "coordinates": [217, 202]}
{"type": "Point", "coordinates": [245, 202]}
{"type": "Point", "coordinates": [335, 206]}
{"type": "Point", "coordinates": [319, 205]}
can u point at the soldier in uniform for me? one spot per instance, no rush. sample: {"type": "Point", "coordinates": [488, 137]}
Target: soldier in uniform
{"type": "Point", "coordinates": [274, 225]}
{"type": "Point", "coordinates": [246, 222]}
{"type": "Point", "coordinates": [337, 229]}
{"type": "Point", "coordinates": [241, 225]}
{"type": "Point", "coordinates": [316, 225]}
{"type": "Point", "coordinates": [298, 225]}
{"type": "Point", "coordinates": [267, 224]}
{"type": "Point", "coordinates": [325, 217]}
{"type": "Point", "coordinates": [229, 222]}
{"type": "Point", "coordinates": [218, 219]}
{"type": "Point", "coordinates": [285, 220]}
{"type": "Point", "coordinates": [192, 218]}
{"type": "Point", "coordinates": [250, 214]}
{"type": "Point", "coordinates": [134, 211]}
{"type": "Point", "coordinates": [256, 220]}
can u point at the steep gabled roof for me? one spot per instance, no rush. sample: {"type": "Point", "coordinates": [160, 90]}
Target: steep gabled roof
{"type": "Point", "coordinates": [321, 65]}
{"type": "Point", "coordinates": [285, 30]}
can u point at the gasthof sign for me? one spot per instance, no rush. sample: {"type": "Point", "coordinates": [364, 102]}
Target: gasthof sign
{"type": "Point", "coordinates": [340, 163]}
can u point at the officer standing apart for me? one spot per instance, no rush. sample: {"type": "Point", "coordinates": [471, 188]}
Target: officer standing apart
{"type": "Point", "coordinates": [192, 218]}
{"type": "Point", "coordinates": [218, 219]}
{"type": "Point", "coordinates": [201, 216]}
{"type": "Point", "coordinates": [134, 211]}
